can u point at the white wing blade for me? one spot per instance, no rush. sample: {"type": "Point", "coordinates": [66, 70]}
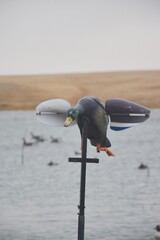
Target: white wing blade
{"type": "Point", "coordinates": [52, 112]}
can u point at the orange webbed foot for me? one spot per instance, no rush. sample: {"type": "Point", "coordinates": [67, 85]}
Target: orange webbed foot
{"type": "Point", "coordinates": [105, 149]}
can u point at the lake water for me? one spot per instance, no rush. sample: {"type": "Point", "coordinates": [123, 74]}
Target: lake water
{"type": "Point", "coordinates": [38, 202]}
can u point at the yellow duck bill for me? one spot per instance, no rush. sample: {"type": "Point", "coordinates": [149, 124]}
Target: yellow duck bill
{"type": "Point", "coordinates": [68, 121]}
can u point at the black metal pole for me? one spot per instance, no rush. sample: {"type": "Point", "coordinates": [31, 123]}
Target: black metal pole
{"type": "Point", "coordinates": [83, 160]}
{"type": "Point", "coordinates": [81, 215]}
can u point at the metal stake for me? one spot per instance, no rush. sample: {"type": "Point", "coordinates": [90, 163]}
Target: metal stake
{"type": "Point", "coordinates": [83, 160]}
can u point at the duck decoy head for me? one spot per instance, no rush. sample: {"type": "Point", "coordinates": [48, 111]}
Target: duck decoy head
{"type": "Point", "coordinates": [72, 115]}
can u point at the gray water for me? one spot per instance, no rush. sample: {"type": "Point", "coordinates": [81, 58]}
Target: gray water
{"type": "Point", "coordinates": [38, 202]}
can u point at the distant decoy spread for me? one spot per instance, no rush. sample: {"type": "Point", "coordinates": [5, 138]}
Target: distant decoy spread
{"type": "Point", "coordinates": [120, 114]}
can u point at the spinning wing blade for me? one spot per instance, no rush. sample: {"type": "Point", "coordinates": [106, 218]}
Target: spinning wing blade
{"type": "Point", "coordinates": [125, 114]}
{"type": "Point", "coordinates": [52, 112]}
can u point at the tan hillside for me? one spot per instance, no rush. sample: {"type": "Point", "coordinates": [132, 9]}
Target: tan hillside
{"type": "Point", "coordinates": [26, 92]}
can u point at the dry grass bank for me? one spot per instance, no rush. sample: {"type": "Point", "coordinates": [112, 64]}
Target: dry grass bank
{"type": "Point", "coordinates": [26, 92]}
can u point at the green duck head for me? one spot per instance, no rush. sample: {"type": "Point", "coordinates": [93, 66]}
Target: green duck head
{"type": "Point", "coordinates": [72, 114]}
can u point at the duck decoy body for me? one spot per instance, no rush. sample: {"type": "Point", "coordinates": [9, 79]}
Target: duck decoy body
{"type": "Point", "coordinates": [93, 110]}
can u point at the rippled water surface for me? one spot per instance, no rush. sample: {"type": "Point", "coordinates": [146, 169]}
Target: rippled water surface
{"type": "Point", "coordinates": [39, 202]}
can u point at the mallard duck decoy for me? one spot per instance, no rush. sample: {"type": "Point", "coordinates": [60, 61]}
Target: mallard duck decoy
{"type": "Point", "coordinates": [142, 166]}
{"type": "Point", "coordinates": [51, 163]}
{"type": "Point", "coordinates": [123, 114]}
{"type": "Point", "coordinates": [54, 140]}
{"type": "Point", "coordinates": [37, 138]}
{"type": "Point", "coordinates": [92, 109]}
{"type": "Point", "coordinates": [77, 153]}
{"type": "Point", "coordinates": [157, 232]}
{"type": "Point", "coordinates": [25, 143]}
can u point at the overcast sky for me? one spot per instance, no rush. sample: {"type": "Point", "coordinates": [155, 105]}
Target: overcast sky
{"type": "Point", "coordinates": [61, 36]}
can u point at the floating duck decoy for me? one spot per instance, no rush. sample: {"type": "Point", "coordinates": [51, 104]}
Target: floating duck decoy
{"type": "Point", "coordinates": [37, 138]}
{"type": "Point", "coordinates": [77, 153]}
{"type": "Point", "coordinates": [25, 143]}
{"type": "Point", "coordinates": [54, 140]}
{"type": "Point", "coordinates": [123, 114]}
{"type": "Point", "coordinates": [51, 163]}
{"type": "Point", "coordinates": [142, 166]}
{"type": "Point", "coordinates": [157, 232]}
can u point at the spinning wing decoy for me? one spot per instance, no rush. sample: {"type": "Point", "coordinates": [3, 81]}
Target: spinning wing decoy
{"type": "Point", "coordinates": [123, 114]}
